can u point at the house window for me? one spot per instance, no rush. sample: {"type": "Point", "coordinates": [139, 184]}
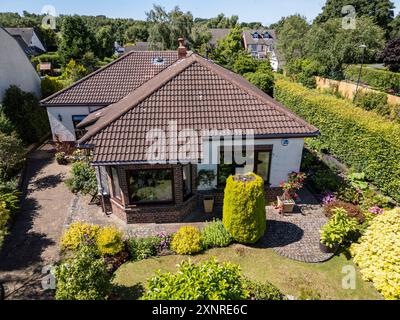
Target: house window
{"type": "Point", "coordinates": [150, 186]}
{"type": "Point", "coordinates": [79, 133]}
{"type": "Point", "coordinates": [116, 189]}
{"type": "Point", "coordinates": [228, 167]}
{"type": "Point", "coordinates": [187, 180]}
{"type": "Point", "coordinates": [263, 164]}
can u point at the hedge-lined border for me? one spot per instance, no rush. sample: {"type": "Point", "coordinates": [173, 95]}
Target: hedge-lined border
{"type": "Point", "coordinates": [358, 138]}
{"type": "Point", "coordinates": [380, 79]}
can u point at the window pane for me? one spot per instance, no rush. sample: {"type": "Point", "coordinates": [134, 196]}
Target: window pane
{"type": "Point", "coordinates": [115, 183]}
{"type": "Point", "coordinates": [150, 186]}
{"type": "Point", "coordinates": [263, 165]}
{"type": "Point", "coordinates": [187, 180]}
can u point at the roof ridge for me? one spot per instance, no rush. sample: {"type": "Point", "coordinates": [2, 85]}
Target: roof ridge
{"type": "Point", "coordinates": [138, 96]}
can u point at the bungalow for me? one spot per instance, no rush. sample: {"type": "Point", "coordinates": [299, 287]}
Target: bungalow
{"type": "Point", "coordinates": [174, 138]}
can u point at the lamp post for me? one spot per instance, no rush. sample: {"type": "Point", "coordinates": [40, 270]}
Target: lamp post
{"type": "Point", "coordinates": [363, 47]}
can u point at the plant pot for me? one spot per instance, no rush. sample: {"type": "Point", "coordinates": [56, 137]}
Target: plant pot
{"type": "Point", "coordinates": [208, 202]}
{"type": "Point", "coordinates": [286, 205]}
{"type": "Point", "coordinates": [326, 249]}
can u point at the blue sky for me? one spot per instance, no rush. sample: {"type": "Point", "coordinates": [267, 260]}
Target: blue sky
{"type": "Point", "coordinates": [266, 11]}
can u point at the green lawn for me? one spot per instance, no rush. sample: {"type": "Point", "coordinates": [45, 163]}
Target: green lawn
{"type": "Point", "coordinates": [261, 264]}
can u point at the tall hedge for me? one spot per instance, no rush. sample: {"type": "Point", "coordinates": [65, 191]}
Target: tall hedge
{"type": "Point", "coordinates": [244, 208]}
{"type": "Point", "coordinates": [380, 79]}
{"type": "Point", "coordinates": [360, 139]}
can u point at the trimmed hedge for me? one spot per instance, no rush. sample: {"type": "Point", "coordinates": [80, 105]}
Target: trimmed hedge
{"type": "Point", "coordinates": [380, 79]}
{"type": "Point", "coordinates": [360, 139]}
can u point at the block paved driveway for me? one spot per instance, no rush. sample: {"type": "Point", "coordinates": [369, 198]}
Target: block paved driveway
{"type": "Point", "coordinates": [33, 241]}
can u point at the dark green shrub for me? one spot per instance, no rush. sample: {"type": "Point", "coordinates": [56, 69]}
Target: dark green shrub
{"type": "Point", "coordinates": [245, 64]}
{"type": "Point", "coordinates": [263, 291]}
{"type": "Point", "coordinates": [373, 101]}
{"type": "Point", "coordinates": [12, 155]}
{"type": "Point", "coordinates": [215, 235]}
{"type": "Point", "coordinates": [262, 80]}
{"type": "Point", "coordinates": [143, 248]}
{"type": "Point", "coordinates": [51, 85]}
{"type": "Point", "coordinates": [244, 214]}
{"type": "Point", "coordinates": [83, 178]}
{"type": "Point", "coordinates": [6, 126]}
{"type": "Point", "coordinates": [210, 280]}
{"type": "Point", "coordinates": [83, 277]}
{"type": "Point", "coordinates": [51, 57]}
{"type": "Point", "coordinates": [360, 139]}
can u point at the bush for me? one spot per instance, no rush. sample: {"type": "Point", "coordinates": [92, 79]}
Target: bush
{"type": "Point", "coordinates": [61, 158]}
{"type": "Point", "coordinates": [83, 178]}
{"type": "Point", "coordinates": [263, 291]}
{"type": "Point", "coordinates": [244, 208]}
{"type": "Point", "coordinates": [373, 101]}
{"type": "Point", "coordinates": [51, 57]}
{"type": "Point", "coordinates": [352, 210]}
{"type": "Point", "coordinates": [187, 240]}
{"type": "Point", "coordinates": [110, 241]}
{"type": "Point", "coordinates": [4, 218]}
{"type": "Point", "coordinates": [378, 252]}
{"type": "Point", "coordinates": [84, 277]}
{"type": "Point", "coordinates": [262, 80]}
{"type": "Point", "coordinates": [359, 139]}
{"type": "Point", "coordinates": [208, 281]}
{"type": "Point", "coordinates": [6, 126]}
{"type": "Point", "coordinates": [215, 235]}
{"type": "Point", "coordinates": [304, 71]}
{"type": "Point", "coordinates": [379, 79]}
{"type": "Point", "coordinates": [339, 229]}
{"type": "Point", "coordinates": [78, 234]}
{"type": "Point", "coordinates": [12, 155]}
{"type": "Point", "coordinates": [51, 85]}
{"type": "Point", "coordinates": [143, 248]}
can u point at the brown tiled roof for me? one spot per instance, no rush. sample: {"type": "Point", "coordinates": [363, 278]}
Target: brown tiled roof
{"type": "Point", "coordinates": [197, 94]}
{"type": "Point", "coordinates": [114, 81]}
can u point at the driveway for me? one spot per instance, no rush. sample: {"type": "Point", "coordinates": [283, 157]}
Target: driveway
{"type": "Point", "coordinates": [33, 240]}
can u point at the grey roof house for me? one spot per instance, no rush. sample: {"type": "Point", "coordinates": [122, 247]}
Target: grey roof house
{"type": "Point", "coordinates": [28, 40]}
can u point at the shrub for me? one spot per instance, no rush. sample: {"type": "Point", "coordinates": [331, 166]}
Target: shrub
{"type": "Point", "coordinates": [373, 101]}
{"type": "Point", "coordinates": [78, 234]}
{"type": "Point", "coordinates": [4, 218]}
{"type": "Point", "coordinates": [352, 210]}
{"type": "Point", "coordinates": [51, 57]}
{"type": "Point", "coordinates": [263, 80]}
{"type": "Point", "coordinates": [83, 178]}
{"type": "Point", "coordinates": [244, 208]}
{"type": "Point", "coordinates": [84, 277]}
{"type": "Point", "coordinates": [309, 294]}
{"type": "Point", "coordinates": [12, 155]}
{"type": "Point", "coordinates": [339, 229]}
{"type": "Point", "coordinates": [215, 235]}
{"type": "Point", "coordinates": [187, 240]}
{"type": "Point", "coordinates": [358, 138]}
{"type": "Point", "coordinates": [379, 79]}
{"type": "Point", "coordinates": [6, 126]}
{"type": "Point", "coordinates": [263, 291]}
{"type": "Point", "coordinates": [208, 281]}
{"type": "Point", "coordinates": [143, 248]}
{"type": "Point", "coordinates": [110, 241]}
{"type": "Point", "coordinates": [51, 85]}
{"type": "Point", "coordinates": [61, 158]}
{"type": "Point", "coordinates": [378, 252]}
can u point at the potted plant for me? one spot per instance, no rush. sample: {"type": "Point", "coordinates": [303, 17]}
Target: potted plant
{"type": "Point", "coordinates": [287, 201]}
{"type": "Point", "coordinates": [61, 158]}
{"type": "Point", "coordinates": [206, 178]}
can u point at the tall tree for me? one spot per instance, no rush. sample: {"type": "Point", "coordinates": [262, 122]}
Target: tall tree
{"type": "Point", "coordinates": [76, 39]}
{"type": "Point", "coordinates": [395, 27]}
{"type": "Point", "coordinates": [391, 55]}
{"type": "Point", "coordinates": [137, 32]}
{"type": "Point", "coordinates": [333, 47]}
{"type": "Point", "coordinates": [228, 49]}
{"type": "Point", "coordinates": [291, 37]}
{"type": "Point", "coordinates": [105, 39]}
{"type": "Point", "coordinates": [223, 22]}
{"type": "Point", "coordinates": [381, 11]}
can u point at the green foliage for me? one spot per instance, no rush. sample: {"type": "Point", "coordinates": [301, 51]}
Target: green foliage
{"type": "Point", "coordinates": [245, 63]}
{"type": "Point", "coordinates": [84, 277]}
{"type": "Point", "coordinates": [378, 252]}
{"type": "Point", "coordinates": [110, 241]}
{"type": "Point", "coordinates": [215, 235]}
{"type": "Point", "coordinates": [187, 241]}
{"type": "Point", "coordinates": [105, 39]}
{"type": "Point", "coordinates": [61, 158]}
{"type": "Point", "coordinates": [12, 155]}
{"type": "Point", "coordinates": [244, 208]}
{"type": "Point", "coordinates": [223, 22]}
{"type": "Point", "coordinates": [395, 27]}
{"type": "Point", "coordinates": [138, 32]}
{"type": "Point", "coordinates": [83, 178]}
{"type": "Point", "coordinates": [358, 138]}
{"type": "Point", "coordinates": [262, 291]}
{"type": "Point", "coordinates": [6, 126]}
{"type": "Point", "coordinates": [73, 71]}
{"type": "Point", "coordinates": [309, 294]}
{"type": "Point", "coordinates": [383, 80]}
{"type": "Point", "coordinates": [262, 80]}
{"type": "Point", "coordinates": [373, 101]}
{"type": "Point", "coordinates": [4, 218]}
{"type": "Point", "coordinates": [24, 112]}
{"type": "Point", "coordinates": [304, 71]}
{"type": "Point", "coordinates": [143, 248]}
{"type": "Point", "coordinates": [339, 229]}
{"type": "Point", "coordinates": [391, 55]}
{"type": "Point", "coordinates": [357, 180]}
{"type": "Point", "coordinates": [353, 211]}
{"type": "Point", "coordinates": [228, 49]}
{"type": "Point", "coordinates": [9, 206]}
{"type": "Point", "coordinates": [52, 57]}
{"type": "Point", "coordinates": [51, 85]}
{"type": "Point", "coordinates": [209, 281]}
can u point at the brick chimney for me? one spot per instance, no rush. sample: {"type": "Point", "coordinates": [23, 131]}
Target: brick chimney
{"type": "Point", "coordinates": [182, 52]}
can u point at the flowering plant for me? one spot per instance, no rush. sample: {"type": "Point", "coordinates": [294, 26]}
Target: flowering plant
{"type": "Point", "coordinates": [165, 241]}
{"type": "Point", "coordinates": [376, 210]}
{"type": "Point", "coordinates": [295, 183]}
{"type": "Point", "coordinates": [328, 198]}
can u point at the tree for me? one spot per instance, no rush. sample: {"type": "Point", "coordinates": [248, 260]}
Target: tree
{"type": "Point", "coordinates": [395, 27]}
{"type": "Point", "coordinates": [381, 11]}
{"type": "Point", "coordinates": [105, 39]}
{"type": "Point", "coordinates": [292, 36]}
{"type": "Point", "coordinates": [77, 39]}
{"type": "Point", "coordinates": [262, 80]}
{"type": "Point", "coordinates": [245, 63]}
{"type": "Point", "coordinates": [222, 22]}
{"type": "Point", "coordinates": [229, 48]}
{"type": "Point", "coordinates": [391, 55]}
{"type": "Point", "coordinates": [332, 46]}
{"type": "Point", "coordinates": [74, 71]}
{"type": "Point", "coordinates": [137, 32]}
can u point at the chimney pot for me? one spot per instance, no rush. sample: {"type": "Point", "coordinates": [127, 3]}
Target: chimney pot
{"type": "Point", "coordinates": [182, 52]}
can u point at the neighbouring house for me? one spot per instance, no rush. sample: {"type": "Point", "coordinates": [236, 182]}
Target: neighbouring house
{"type": "Point", "coordinates": [15, 67]}
{"type": "Point", "coordinates": [28, 40]}
{"type": "Point", "coordinates": [216, 35]}
{"type": "Point", "coordinates": [261, 44]}
{"type": "Point", "coordinates": [188, 119]}
{"type": "Point", "coordinates": [138, 46]}
{"type": "Point", "coordinates": [105, 86]}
